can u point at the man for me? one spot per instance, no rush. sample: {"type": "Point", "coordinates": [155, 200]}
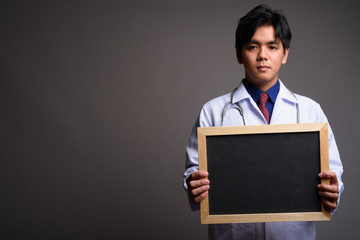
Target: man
{"type": "Point", "coordinates": [262, 45]}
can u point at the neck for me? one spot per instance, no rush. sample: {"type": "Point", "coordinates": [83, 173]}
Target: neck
{"type": "Point", "coordinates": [263, 85]}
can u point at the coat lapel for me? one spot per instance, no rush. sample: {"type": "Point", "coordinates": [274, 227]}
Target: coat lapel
{"type": "Point", "coordinates": [284, 111]}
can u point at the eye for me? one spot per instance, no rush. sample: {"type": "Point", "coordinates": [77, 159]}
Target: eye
{"type": "Point", "coordinates": [273, 48]}
{"type": "Point", "coordinates": [252, 47]}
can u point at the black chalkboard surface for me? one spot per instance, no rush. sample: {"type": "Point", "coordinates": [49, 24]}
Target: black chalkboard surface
{"type": "Point", "coordinates": [263, 173]}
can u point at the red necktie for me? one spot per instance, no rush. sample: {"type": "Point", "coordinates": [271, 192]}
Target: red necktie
{"type": "Point", "coordinates": [262, 106]}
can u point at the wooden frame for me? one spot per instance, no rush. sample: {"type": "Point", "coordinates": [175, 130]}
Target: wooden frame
{"type": "Point", "coordinates": [209, 218]}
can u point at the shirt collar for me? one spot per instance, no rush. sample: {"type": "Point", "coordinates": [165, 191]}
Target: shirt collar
{"type": "Point", "coordinates": [241, 93]}
{"type": "Point", "coordinates": [256, 92]}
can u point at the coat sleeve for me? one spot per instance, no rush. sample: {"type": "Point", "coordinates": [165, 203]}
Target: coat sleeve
{"type": "Point", "coordinates": [204, 119]}
{"type": "Point", "coordinates": [192, 162]}
{"type": "Point", "coordinates": [335, 164]}
{"type": "Point", "coordinates": [311, 111]}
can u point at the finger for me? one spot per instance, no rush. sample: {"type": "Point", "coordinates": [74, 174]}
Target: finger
{"type": "Point", "coordinates": [329, 196]}
{"type": "Point", "coordinates": [198, 183]}
{"type": "Point", "coordinates": [199, 174]}
{"type": "Point", "coordinates": [328, 188]}
{"type": "Point", "coordinates": [201, 197]}
{"type": "Point", "coordinates": [200, 190]}
{"type": "Point", "coordinates": [329, 205]}
{"type": "Point", "coordinates": [329, 175]}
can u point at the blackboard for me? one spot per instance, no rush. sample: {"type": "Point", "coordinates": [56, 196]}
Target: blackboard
{"type": "Point", "coordinates": [263, 173]}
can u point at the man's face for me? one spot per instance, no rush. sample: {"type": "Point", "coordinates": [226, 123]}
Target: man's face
{"type": "Point", "coordinates": [262, 57]}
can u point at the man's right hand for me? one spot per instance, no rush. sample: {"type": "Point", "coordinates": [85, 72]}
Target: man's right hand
{"type": "Point", "coordinates": [198, 185]}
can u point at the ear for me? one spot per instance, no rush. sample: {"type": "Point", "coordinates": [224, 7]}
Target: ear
{"type": "Point", "coordinates": [238, 56]}
{"type": "Point", "coordinates": [286, 54]}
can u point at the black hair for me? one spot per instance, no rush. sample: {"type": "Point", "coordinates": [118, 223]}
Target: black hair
{"type": "Point", "coordinates": [259, 16]}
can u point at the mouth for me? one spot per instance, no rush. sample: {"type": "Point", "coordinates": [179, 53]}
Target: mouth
{"type": "Point", "coordinates": [262, 68]}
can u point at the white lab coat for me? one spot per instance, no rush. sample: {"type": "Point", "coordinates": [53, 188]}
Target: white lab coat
{"type": "Point", "coordinates": [284, 112]}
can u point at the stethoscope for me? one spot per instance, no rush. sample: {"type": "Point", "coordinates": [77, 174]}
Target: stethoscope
{"type": "Point", "coordinates": [242, 112]}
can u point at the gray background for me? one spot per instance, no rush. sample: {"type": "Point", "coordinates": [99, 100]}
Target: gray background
{"type": "Point", "coordinates": [97, 100]}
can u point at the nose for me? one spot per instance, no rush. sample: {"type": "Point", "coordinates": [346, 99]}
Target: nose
{"type": "Point", "coordinates": [262, 54]}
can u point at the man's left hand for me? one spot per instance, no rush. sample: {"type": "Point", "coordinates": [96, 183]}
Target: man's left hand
{"type": "Point", "coordinates": [329, 193]}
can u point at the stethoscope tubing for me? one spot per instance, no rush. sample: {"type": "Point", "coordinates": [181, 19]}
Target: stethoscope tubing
{"type": "Point", "coordinates": [242, 112]}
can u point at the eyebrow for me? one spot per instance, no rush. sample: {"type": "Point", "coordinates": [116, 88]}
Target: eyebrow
{"type": "Point", "coordinates": [270, 42]}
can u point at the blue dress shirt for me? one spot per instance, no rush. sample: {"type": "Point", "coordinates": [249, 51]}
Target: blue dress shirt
{"type": "Point", "coordinates": [256, 92]}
